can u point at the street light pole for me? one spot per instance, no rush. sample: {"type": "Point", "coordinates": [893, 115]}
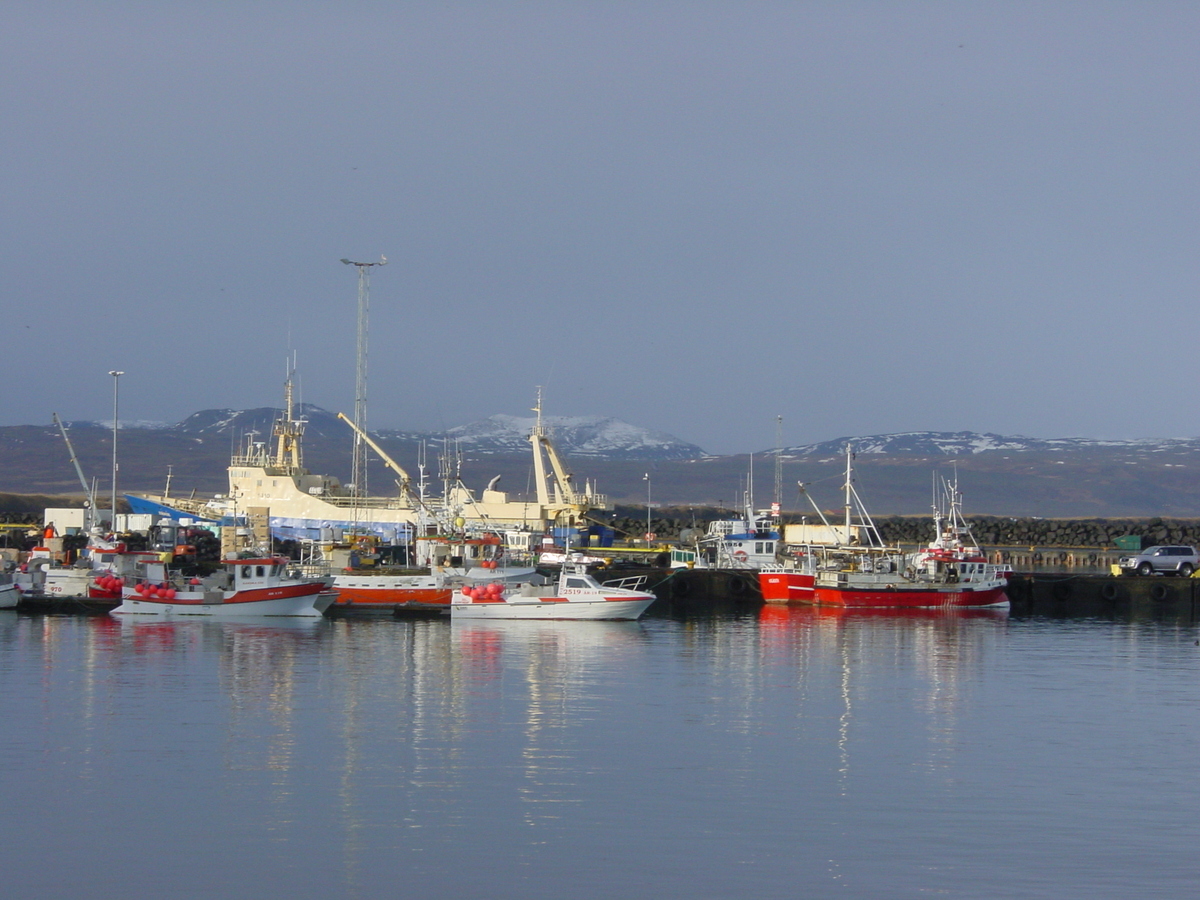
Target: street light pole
{"type": "Point", "coordinates": [116, 380]}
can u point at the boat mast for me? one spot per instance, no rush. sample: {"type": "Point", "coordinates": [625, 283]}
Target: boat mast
{"type": "Point", "coordinates": [288, 429]}
{"type": "Point", "coordinates": [748, 497]}
{"type": "Point", "coordinates": [777, 505]}
{"type": "Point", "coordinates": [849, 490]}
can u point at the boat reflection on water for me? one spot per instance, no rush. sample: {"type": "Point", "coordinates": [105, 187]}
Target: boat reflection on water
{"type": "Point", "coordinates": [942, 648]}
{"type": "Point", "coordinates": [166, 631]}
{"type": "Point", "coordinates": [565, 647]}
{"type": "Point", "coordinates": [778, 614]}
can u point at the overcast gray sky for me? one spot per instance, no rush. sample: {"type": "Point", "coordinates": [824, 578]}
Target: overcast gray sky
{"type": "Point", "coordinates": [864, 217]}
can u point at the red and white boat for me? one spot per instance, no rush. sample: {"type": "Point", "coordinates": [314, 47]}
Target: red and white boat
{"type": "Point", "coordinates": [950, 572]}
{"type": "Point", "coordinates": [577, 595]}
{"type": "Point", "coordinates": [246, 587]}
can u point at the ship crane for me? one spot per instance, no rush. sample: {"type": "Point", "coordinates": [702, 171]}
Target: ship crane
{"type": "Point", "coordinates": [565, 493]}
{"type": "Point", "coordinates": [91, 494]}
{"type": "Point", "coordinates": [405, 481]}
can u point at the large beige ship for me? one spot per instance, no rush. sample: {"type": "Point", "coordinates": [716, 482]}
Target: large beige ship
{"type": "Point", "coordinates": [270, 488]}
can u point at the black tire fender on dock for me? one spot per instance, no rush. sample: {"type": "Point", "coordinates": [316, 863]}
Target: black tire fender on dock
{"type": "Point", "coordinates": [1061, 591]}
{"type": "Point", "coordinates": [1109, 591]}
{"type": "Point", "coordinates": [1158, 591]}
{"type": "Point", "coordinates": [737, 586]}
{"type": "Point", "coordinates": [679, 587]}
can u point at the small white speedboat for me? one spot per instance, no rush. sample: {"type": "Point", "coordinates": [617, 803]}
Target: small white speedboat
{"type": "Point", "coordinates": [247, 587]}
{"type": "Point", "coordinates": [577, 595]}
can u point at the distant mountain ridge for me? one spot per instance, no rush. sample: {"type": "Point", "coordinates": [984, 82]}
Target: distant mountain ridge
{"type": "Point", "coordinates": [1007, 476]}
{"type": "Point", "coordinates": [970, 443]}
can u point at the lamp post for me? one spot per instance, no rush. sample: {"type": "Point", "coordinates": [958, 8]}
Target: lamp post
{"type": "Point", "coordinates": [116, 380]}
{"type": "Point", "coordinates": [646, 478]}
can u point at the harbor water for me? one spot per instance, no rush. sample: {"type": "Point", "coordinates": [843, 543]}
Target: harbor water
{"type": "Point", "coordinates": [777, 753]}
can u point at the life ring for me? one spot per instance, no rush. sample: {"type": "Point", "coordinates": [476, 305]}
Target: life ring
{"type": "Point", "coordinates": [1159, 592]}
{"type": "Point", "coordinates": [1109, 591]}
{"type": "Point", "coordinates": [740, 556]}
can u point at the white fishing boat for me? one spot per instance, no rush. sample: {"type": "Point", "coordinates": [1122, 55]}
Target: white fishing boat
{"type": "Point", "coordinates": [577, 595]}
{"type": "Point", "coordinates": [103, 567]}
{"type": "Point", "coordinates": [444, 561]}
{"type": "Point", "coordinates": [750, 542]}
{"type": "Point", "coordinates": [953, 543]}
{"type": "Point", "coordinates": [268, 586]}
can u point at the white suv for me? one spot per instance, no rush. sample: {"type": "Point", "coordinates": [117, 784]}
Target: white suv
{"type": "Point", "coordinates": [1180, 560]}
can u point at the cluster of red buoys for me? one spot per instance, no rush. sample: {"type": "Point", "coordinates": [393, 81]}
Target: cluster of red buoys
{"type": "Point", "coordinates": [485, 593]}
{"type": "Point", "coordinates": [110, 582]}
{"type": "Point", "coordinates": [156, 591]}
{"type": "Point", "coordinates": [489, 564]}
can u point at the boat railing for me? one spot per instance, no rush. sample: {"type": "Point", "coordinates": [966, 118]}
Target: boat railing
{"type": "Point", "coordinates": [630, 583]}
{"type": "Point", "coordinates": [366, 502]}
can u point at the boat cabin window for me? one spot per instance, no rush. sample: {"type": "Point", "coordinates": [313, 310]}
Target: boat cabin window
{"type": "Point", "coordinates": [247, 571]}
{"type": "Point", "coordinates": [576, 581]}
{"type": "Point", "coordinates": [261, 571]}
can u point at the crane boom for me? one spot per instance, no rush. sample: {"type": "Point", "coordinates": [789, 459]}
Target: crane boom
{"type": "Point", "coordinates": [395, 466]}
{"type": "Point", "coordinates": [91, 496]}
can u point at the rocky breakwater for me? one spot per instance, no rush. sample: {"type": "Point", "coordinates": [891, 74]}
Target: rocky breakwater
{"type": "Point", "coordinates": [1099, 534]}
{"type": "Point", "coordinates": [990, 531]}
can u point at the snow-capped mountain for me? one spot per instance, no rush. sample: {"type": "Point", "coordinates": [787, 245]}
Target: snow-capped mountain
{"type": "Point", "coordinates": [239, 422]}
{"type": "Point", "coordinates": [594, 437]}
{"type": "Point", "coordinates": [968, 443]}
{"type": "Point", "coordinates": [597, 437]}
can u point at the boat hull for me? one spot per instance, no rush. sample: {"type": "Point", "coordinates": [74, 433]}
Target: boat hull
{"type": "Point", "coordinates": [796, 587]}
{"type": "Point", "coordinates": [553, 608]}
{"type": "Point", "coordinates": [386, 601]}
{"type": "Point", "coordinates": [309, 601]}
{"type": "Point", "coordinates": [9, 596]}
{"type": "Point", "coordinates": [910, 597]}
{"type": "Point", "coordinates": [786, 587]}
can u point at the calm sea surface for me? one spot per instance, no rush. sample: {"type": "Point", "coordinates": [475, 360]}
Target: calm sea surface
{"type": "Point", "coordinates": [791, 753]}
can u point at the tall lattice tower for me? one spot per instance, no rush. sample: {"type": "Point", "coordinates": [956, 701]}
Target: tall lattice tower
{"type": "Point", "coordinates": [358, 470]}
